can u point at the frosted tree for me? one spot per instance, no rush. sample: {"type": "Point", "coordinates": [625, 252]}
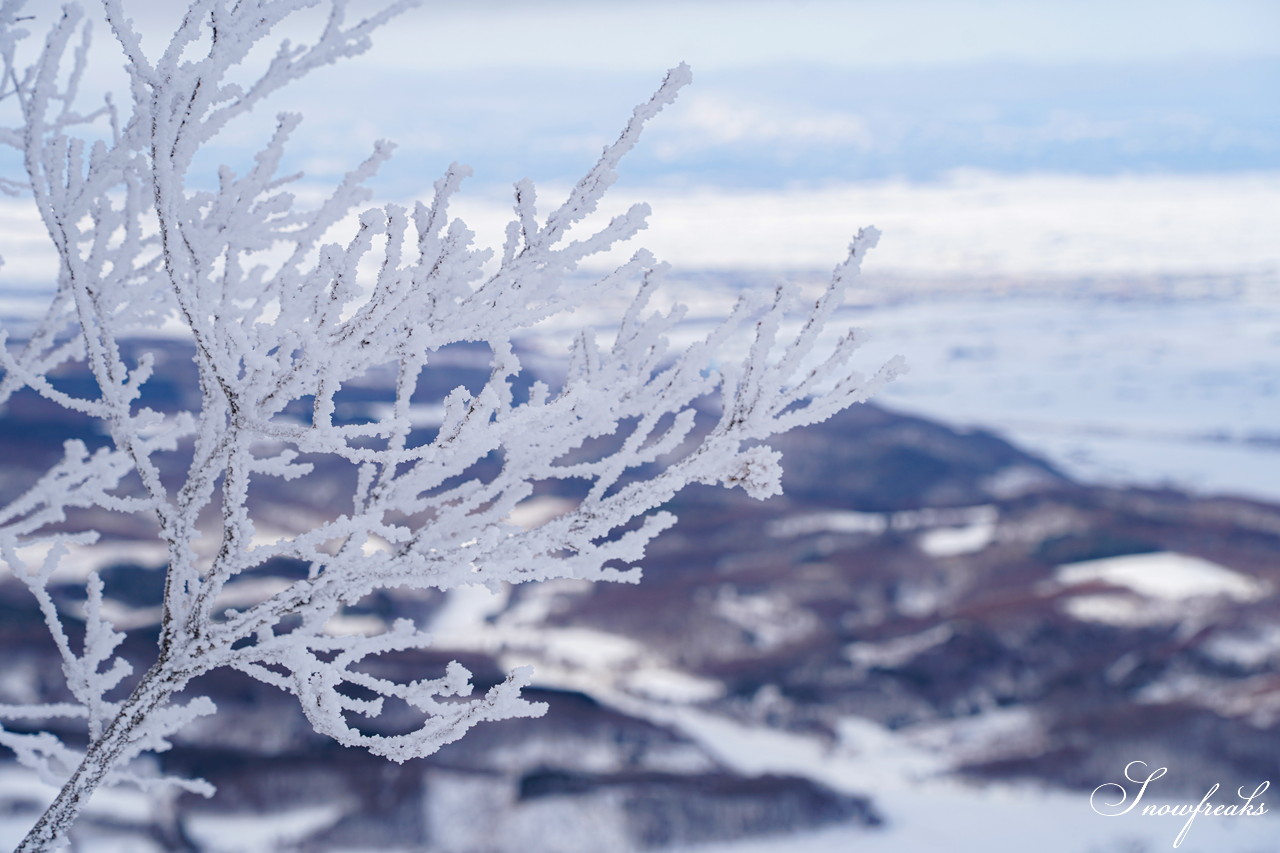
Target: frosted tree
{"type": "Point", "coordinates": [277, 315]}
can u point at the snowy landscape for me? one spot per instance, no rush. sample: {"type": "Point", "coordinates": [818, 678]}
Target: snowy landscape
{"type": "Point", "coordinates": [1049, 550]}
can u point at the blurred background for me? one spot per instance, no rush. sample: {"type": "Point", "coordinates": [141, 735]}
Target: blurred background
{"type": "Point", "coordinates": [1050, 550]}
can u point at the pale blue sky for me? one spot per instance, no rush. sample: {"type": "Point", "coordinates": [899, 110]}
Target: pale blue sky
{"type": "Point", "coordinates": [793, 92]}
{"type": "Point", "coordinates": [715, 34]}
{"type": "Point", "coordinates": [634, 34]}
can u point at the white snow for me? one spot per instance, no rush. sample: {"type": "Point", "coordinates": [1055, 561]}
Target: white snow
{"type": "Point", "coordinates": [971, 224]}
{"type": "Point", "coordinates": [671, 685]}
{"type": "Point", "coordinates": [1165, 575]}
{"type": "Point", "coordinates": [580, 648]}
{"type": "Point", "coordinates": [836, 521]}
{"type": "Point", "coordinates": [927, 812]}
{"type": "Point", "coordinates": [953, 541]}
{"type": "Point", "coordinates": [538, 511]}
{"type": "Point", "coordinates": [465, 611]}
{"type": "Point", "coordinates": [1250, 647]}
{"type": "Point", "coordinates": [957, 527]}
{"type": "Point", "coordinates": [1119, 609]}
{"type": "Point", "coordinates": [247, 833]}
{"type": "Point", "coordinates": [769, 619]}
{"type": "Point", "coordinates": [1153, 588]}
{"type": "Point", "coordinates": [17, 785]}
{"type": "Point", "coordinates": [81, 560]}
{"type": "Point", "coordinates": [1119, 381]}
{"type": "Point", "coordinates": [354, 625]}
{"type": "Point", "coordinates": [419, 414]}
{"type": "Point", "coordinates": [899, 650]}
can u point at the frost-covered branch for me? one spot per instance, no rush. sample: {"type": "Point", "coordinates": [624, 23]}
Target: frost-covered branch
{"type": "Point", "coordinates": [283, 319]}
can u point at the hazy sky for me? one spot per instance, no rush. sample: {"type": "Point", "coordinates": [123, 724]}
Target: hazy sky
{"type": "Point", "coordinates": [713, 34]}
{"type": "Point", "coordinates": [794, 91]}
{"type": "Point", "coordinates": [799, 98]}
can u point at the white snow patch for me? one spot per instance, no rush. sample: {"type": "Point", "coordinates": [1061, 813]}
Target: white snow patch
{"type": "Point", "coordinates": [949, 516]}
{"type": "Point", "coordinates": [537, 603]}
{"type": "Point", "coordinates": [1250, 648]}
{"type": "Point", "coordinates": [770, 620]}
{"type": "Point", "coordinates": [851, 521]}
{"type": "Point", "coordinates": [953, 541]}
{"type": "Point", "coordinates": [899, 650]}
{"type": "Point", "coordinates": [585, 648]}
{"type": "Point", "coordinates": [249, 591]}
{"type": "Point", "coordinates": [993, 733]}
{"type": "Point", "coordinates": [927, 812]}
{"type": "Point", "coordinates": [1154, 588]}
{"type": "Point", "coordinates": [352, 625]}
{"type": "Point", "coordinates": [840, 521]}
{"type": "Point", "coordinates": [81, 560]}
{"type": "Point", "coordinates": [122, 804]}
{"type": "Point", "coordinates": [536, 512]}
{"type": "Point", "coordinates": [126, 618]}
{"type": "Point", "coordinates": [466, 609]}
{"type": "Point", "coordinates": [670, 685]}
{"type": "Point", "coordinates": [1165, 575]}
{"type": "Point", "coordinates": [419, 414]}
{"type": "Point", "coordinates": [241, 833]}
{"type": "Point", "coordinates": [1123, 609]}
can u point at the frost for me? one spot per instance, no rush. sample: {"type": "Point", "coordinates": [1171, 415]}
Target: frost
{"type": "Point", "coordinates": [280, 316]}
{"type": "Point", "coordinates": [758, 471]}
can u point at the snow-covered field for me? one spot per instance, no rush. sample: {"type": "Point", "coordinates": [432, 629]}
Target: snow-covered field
{"type": "Point", "coordinates": [984, 227]}
{"type": "Point", "coordinates": [927, 811]}
{"type": "Point", "coordinates": [1128, 329]}
{"type": "Point", "coordinates": [1119, 379]}
{"type": "Point", "coordinates": [1141, 389]}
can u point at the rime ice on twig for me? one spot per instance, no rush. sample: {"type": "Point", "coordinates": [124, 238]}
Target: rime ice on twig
{"type": "Point", "coordinates": [277, 317]}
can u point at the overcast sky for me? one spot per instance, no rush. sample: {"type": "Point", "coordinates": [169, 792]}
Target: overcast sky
{"type": "Point", "coordinates": [793, 92]}
{"type": "Point", "coordinates": [715, 34]}
{"type": "Point", "coordinates": [808, 96]}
